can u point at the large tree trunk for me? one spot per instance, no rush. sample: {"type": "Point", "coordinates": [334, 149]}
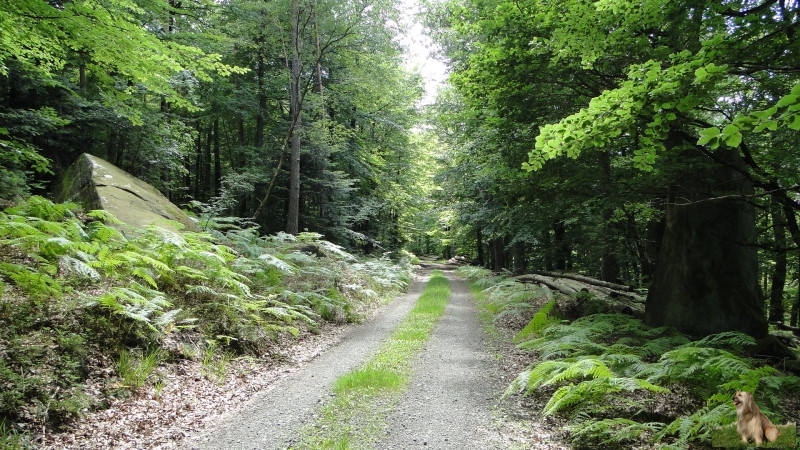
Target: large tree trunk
{"type": "Point", "coordinates": [498, 254]}
{"type": "Point", "coordinates": [217, 161]}
{"type": "Point", "coordinates": [706, 278]}
{"type": "Point", "coordinates": [520, 264]}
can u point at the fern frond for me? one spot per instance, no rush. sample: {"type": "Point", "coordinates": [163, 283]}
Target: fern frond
{"type": "Point", "coordinates": [277, 263]}
{"type": "Point", "coordinates": [582, 369]}
{"type": "Point", "coordinates": [70, 265]}
{"type": "Point", "coordinates": [105, 216]}
{"type": "Point", "coordinates": [191, 273]}
{"type": "Point", "coordinates": [200, 289]}
{"type": "Point", "coordinates": [540, 320]}
{"type": "Point", "coordinates": [535, 377]}
{"type": "Point", "coordinates": [633, 384]}
{"type": "Point", "coordinates": [568, 397]}
{"type": "Point", "coordinates": [145, 275]}
{"type": "Point", "coordinates": [730, 339]}
{"type": "Point", "coordinates": [611, 433]}
{"type": "Point", "coordinates": [698, 426]}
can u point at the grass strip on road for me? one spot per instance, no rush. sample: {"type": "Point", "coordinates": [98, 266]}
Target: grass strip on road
{"type": "Point", "coordinates": [364, 397]}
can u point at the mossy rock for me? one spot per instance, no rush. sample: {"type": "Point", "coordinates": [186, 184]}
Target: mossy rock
{"type": "Point", "coordinates": [95, 183]}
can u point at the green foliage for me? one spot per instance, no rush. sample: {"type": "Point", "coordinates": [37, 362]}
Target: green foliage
{"type": "Point", "coordinates": [542, 319]}
{"type": "Point", "coordinates": [135, 367]}
{"type": "Point", "coordinates": [75, 288]}
{"type": "Point", "coordinates": [613, 433]}
{"type": "Point", "coordinates": [605, 373]}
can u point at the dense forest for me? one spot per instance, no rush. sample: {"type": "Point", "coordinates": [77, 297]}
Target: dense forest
{"type": "Point", "coordinates": [658, 141]}
{"type": "Point", "coordinates": [652, 144]}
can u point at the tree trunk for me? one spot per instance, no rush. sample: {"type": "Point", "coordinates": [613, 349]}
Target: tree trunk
{"type": "Point", "coordinates": [609, 263]}
{"type": "Point", "coordinates": [706, 278]}
{"type": "Point", "coordinates": [207, 164]}
{"type": "Point", "coordinates": [519, 258]}
{"type": "Point", "coordinates": [779, 273]}
{"type": "Point", "coordinates": [479, 244]}
{"type": "Point", "coordinates": [217, 161]}
{"type": "Point", "coordinates": [793, 315]}
{"type": "Point", "coordinates": [293, 208]}
{"type": "Point", "coordinates": [562, 248]}
{"type": "Point", "coordinates": [498, 251]}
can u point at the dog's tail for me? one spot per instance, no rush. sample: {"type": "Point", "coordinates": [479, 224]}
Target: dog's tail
{"type": "Point", "coordinates": [771, 433]}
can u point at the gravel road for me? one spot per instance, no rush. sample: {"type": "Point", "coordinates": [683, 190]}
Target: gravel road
{"type": "Point", "coordinates": [448, 403]}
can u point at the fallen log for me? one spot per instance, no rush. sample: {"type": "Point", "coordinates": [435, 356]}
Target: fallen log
{"type": "Point", "coordinates": [587, 280]}
{"type": "Point", "coordinates": [533, 278]}
{"type": "Point", "coordinates": [795, 330]}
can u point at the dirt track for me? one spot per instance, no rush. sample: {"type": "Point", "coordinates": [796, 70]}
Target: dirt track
{"type": "Point", "coordinates": [449, 402]}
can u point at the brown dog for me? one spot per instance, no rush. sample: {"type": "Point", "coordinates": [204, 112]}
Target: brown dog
{"type": "Point", "coordinates": [752, 422]}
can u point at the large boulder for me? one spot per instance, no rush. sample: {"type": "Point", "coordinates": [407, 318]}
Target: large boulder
{"type": "Point", "coordinates": [97, 184]}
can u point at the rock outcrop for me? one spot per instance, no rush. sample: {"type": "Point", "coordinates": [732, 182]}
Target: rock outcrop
{"type": "Point", "coordinates": [97, 184]}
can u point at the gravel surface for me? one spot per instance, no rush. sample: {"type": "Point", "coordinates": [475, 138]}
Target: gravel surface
{"type": "Point", "coordinates": [267, 420]}
{"type": "Point", "coordinates": [455, 387]}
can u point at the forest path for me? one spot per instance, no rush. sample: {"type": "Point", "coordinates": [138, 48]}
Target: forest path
{"type": "Point", "coordinates": [455, 386]}
{"type": "Point", "coordinates": [449, 402]}
{"type": "Point", "coordinates": [270, 418]}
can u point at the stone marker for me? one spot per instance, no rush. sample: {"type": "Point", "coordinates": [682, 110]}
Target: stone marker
{"type": "Point", "coordinates": [95, 183]}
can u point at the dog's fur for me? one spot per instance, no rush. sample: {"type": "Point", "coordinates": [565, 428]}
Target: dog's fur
{"type": "Point", "coordinates": [752, 422]}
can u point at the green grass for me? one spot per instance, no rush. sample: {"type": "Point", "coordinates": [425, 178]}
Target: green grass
{"type": "Point", "coordinates": [134, 369]}
{"type": "Point", "coordinates": [728, 437]}
{"type": "Point", "coordinates": [369, 379]}
{"type": "Point", "coordinates": [364, 397]}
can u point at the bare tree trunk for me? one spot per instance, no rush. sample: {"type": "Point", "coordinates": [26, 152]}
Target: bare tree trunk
{"type": "Point", "coordinates": [293, 209]}
{"type": "Point", "coordinates": [206, 170]}
{"type": "Point", "coordinates": [479, 244]}
{"type": "Point", "coordinates": [562, 247]}
{"type": "Point", "coordinates": [609, 263]}
{"type": "Point", "coordinates": [217, 161]}
{"type": "Point", "coordinates": [779, 272]}
{"type": "Point", "coordinates": [793, 315]}
{"type": "Point", "coordinates": [520, 264]}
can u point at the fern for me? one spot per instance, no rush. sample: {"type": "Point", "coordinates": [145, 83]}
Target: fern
{"type": "Point", "coordinates": [74, 266]}
{"type": "Point", "coordinates": [702, 368]}
{"type": "Point", "coordinates": [699, 426]}
{"type": "Point", "coordinates": [734, 340]}
{"type": "Point", "coordinates": [277, 263]}
{"type": "Point", "coordinates": [540, 321]}
{"type": "Point", "coordinates": [616, 432]}
{"type": "Point", "coordinates": [533, 378]}
{"type": "Point", "coordinates": [37, 285]}
{"type": "Point", "coordinates": [139, 304]}
{"type": "Point", "coordinates": [582, 369]}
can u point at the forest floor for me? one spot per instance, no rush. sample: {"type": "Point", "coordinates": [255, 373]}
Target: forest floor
{"type": "Point", "coordinates": [452, 401]}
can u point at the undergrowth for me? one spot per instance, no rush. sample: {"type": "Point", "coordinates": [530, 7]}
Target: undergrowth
{"type": "Point", "coordinates": [77, 296]}
{"type": "Point", "coordinates": [619, 383]}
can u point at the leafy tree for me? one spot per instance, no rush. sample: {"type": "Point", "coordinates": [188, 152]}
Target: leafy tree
{"type": "Point", "coordinates": [692, 94]}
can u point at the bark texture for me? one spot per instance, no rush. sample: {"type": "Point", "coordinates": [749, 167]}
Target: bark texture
{"type": "Point", "coordinates": [706, 278]}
